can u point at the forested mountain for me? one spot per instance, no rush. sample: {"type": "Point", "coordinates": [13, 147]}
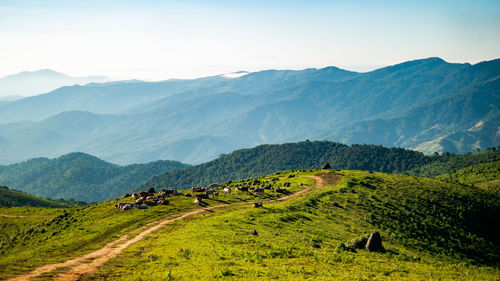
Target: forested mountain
{"type": "Point", "coordinates": [79, 176]}
{"type": "Point", "coordinates": [267, 159]}
{"type": "Point", "coordinates": [426, 104]}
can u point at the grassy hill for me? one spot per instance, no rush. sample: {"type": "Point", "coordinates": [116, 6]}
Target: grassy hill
{"type": "Point", "coordinates": [449, 163]}
{"type": "Point", "coordinates": [79, 176]}
{"type": "Point", "coordinates": [266, 159]}
{"type": "Point", "coordinates": [14, 198]}
{"type": "Point", "coordinates": [431, 229]}
{"type": "Point", "coordinates": [486, 176]}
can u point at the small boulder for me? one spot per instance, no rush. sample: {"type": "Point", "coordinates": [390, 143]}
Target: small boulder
{"type": "Point", "coordinates": [197, 201]}
{"type": "Point", "coordinates": [327, 166]}
{"type": "Point", "coordinates": [344, 248]}
{"type": "Point", "coordinates": [163, 202]}
{"type": "Point", "coordinates": [254, 232]}
{"type": "Point", "coordinates": [150, 203]}
{"type": "Point", "coordinates": [314, 246]}
{"type": "Point", "coordinates": [126, 207]}
{"type": "Point", "coordinates": [374, 243]}
{"type": "Point", "coordinates": [151, 190]}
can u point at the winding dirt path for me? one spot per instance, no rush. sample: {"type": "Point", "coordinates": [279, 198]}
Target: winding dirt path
{"type": "Point", "coordinates": [73, 268]}
{"type": "Point", "coordinates": [12, 216]}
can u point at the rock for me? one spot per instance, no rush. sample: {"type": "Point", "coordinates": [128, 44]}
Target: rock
{"type": "Point", "coordinates": [150, 203]}
{"type": "Point", "coordinates": [359, 243]}
{"type": "Point", "coordinates": [257, 204]}
{"type": "Point", "coordinates": [254, 232]}
{"type": "Point", "coordinates": [126, 195]}
{"type": "Point", "coordinates": [327, 166]}
{"type": "Point", "coordinates": [126, 207]}
{"type": "Point", "coordinates": [344, 248]}
{"type": "Point", "coordinates": [197, 201]}
{"type": "Point", "coordinates": [314, 246]}
{"type": "Point", "coordinates": [374, 243]}
{"type": "Point", "coordinates": [140, 207]}
{"type": "Point", "coordinates": [151, 190]}
{"type": "Point", "coordinates": [163, 202]}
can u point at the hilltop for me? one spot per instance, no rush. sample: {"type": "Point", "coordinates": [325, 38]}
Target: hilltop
{"type": "Point", "coordinates": [266, 159]}
{"type": "Point", "coordinates": [427, 104]}
{"type": "Point", "coordinates": [430, 229]}
{"type": "Point", "coordinates": [79, 176]}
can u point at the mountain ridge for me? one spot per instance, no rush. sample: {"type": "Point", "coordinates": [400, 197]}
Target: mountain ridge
{"type": "Point", "coordinates": [28, 83]}
{"type": "Point", "coordinates": [79, 176]}
{"type": "Point", "coordinates": [150, 119]}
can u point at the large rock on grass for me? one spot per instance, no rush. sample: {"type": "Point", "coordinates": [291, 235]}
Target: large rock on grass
{"type": "Point", "coordinates": [374, 243]}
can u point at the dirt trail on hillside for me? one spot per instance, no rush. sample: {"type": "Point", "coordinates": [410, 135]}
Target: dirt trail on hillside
{"type": "Point", "coordinates": [74, 268]}
{"type": "Point", "coordinates": [23, 217]}
{"type": "Point", "coordinates": [12, 216]}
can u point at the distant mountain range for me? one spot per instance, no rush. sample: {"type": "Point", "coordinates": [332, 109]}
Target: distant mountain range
{"type": "Point", "coordinates": [28, 83]}
{"type": "Point", "coordinates": [79, 176]}
{"type": "Point", "coordinates": [427, 104]}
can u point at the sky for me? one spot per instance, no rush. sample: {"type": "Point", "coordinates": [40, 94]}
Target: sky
{"type": "Point", "coordinates": [158, 40]}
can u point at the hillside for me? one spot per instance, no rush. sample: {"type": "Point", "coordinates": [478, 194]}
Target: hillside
{"type": "Point", "coordinates": [14, 198]}
{"type": "Point", "coordinates": [427, 104]}
{"type": "Point", "coordinates": [79, 176]}
{"type": "Point", "coordinates": [449, 163]}
{"type": "Point", "coordinates": [430, 230]}
{"type": "Point", "coordinates": [486, 176]}
{"type": "Point", "coordinates": [266, 159]}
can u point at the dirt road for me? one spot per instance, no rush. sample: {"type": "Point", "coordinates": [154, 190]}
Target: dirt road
{"type": "Point", "coordinates": [89, 263]}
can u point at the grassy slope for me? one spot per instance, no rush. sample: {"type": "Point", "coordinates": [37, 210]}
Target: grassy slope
{"type": "Point", "coordinates": [485, 175]}
{"type": "Point", "coordinates": [14, 198]}
{"type": "Point", "coordinates": [54, 235]}
{"type": "Point", "coordinates": [433, 230]}
{"type": "Point", "coordinates": [450, 163]}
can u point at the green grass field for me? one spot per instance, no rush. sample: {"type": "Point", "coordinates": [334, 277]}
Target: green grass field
{"type": "Point", "coordinates": [482, 175]}
{"type": "Point", "coordinates": [431, 229]}
{"type": "Point", "coordinates": [424, 225]}
{"type": "Point", "coordinates": [44, 235]}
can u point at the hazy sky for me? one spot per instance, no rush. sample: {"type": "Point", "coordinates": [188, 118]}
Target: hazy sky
{"type": "Point", "coordinates": [156, 40]}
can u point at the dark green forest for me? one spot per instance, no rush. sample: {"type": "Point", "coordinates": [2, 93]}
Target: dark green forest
{"type": "Point", "coordinates": [79, 176]}
{"type": "Point", "coordinates": [267, 159]}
